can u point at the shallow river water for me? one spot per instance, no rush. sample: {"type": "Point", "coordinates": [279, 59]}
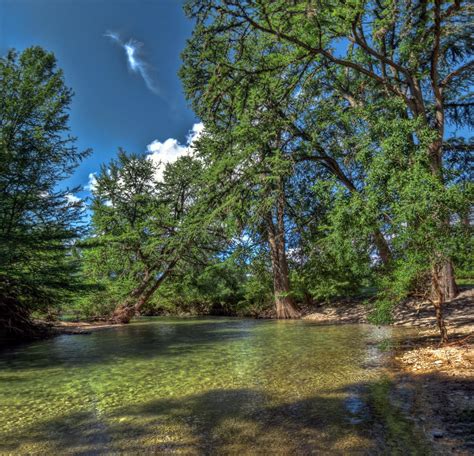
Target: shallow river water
{"type": "Point", "coordinates": [204, 386]}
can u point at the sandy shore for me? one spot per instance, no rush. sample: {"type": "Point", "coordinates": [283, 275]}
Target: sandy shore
{"type": "Point", "coordinates": [443, 377]}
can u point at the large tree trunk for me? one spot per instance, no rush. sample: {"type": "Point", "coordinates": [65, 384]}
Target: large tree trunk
{"type": "Point", "coordinates": [443, 278]}
{"type": "Point", "coordinates": [284, 303]}
{"type": "Point", "coordinates": [445, 273]}
{"type": "Point", "coordinates": [446, 281]}
{"type": "Point", "coordinates": [439, 300]}
{"type": "Point", "coordinates": [131, 307]}
{"type": "Point", "coordinates": [123, 314]}
{"type": "Point", "coordinates": [125, 311]}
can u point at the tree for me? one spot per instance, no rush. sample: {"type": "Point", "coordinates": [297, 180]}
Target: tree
{"type": "Point", "coordinates": [414, 57]}
{"type": "Point", "coordinates": [246, 173]}
{"type": "Point", "coordinates": [144, 229]}
{"type": "Point", "coordinates": [38, 221]}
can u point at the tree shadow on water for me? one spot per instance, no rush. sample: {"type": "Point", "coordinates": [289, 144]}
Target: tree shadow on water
{"type": "Point", "coordinates": [359, 419]}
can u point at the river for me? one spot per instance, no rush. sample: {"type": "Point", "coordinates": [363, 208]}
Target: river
{"type": "Point", "coordinates": [205, 386]}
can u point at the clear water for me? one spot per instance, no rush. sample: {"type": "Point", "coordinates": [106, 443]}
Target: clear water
{"type": "Point", "coordinates": [203, 386]}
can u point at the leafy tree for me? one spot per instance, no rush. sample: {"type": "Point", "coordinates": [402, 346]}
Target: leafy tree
{"type": "Point", "coordinates": [216, 287]}
{"type": "Point", "coordinates": [144, 229]}
{"type": "Point", "coordinates": [246, 173]}
{"type": "Point", "coordinates": [392, 69]}
{"type": "Point", "coordinates": [38, 221]}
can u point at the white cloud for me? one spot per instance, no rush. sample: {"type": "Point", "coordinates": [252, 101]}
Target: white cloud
{"type": "Point", "coordinates": [72, 198]}
{"type": "Point", "coordinates": [135, 61]}
{"type": "Point", "coordinates": [195, 133]}
{"type": "Point", "coordinates": [162, 153]}
{"type": "Point", "coordinates": [92, 184]}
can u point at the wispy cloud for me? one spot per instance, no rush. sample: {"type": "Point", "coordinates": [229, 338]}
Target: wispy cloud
{"type": "Point", "coordinates": [135, 61]}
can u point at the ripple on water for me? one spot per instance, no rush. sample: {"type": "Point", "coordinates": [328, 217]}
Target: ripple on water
{"type": "Point", "coordinates": [194, 386]}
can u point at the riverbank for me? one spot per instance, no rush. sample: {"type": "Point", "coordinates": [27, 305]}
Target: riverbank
{"type": "Point", "coordinates": [441, 377]}
{"type": "Point", "coordinates": [440, 384]}
{"type": "Point", "coordinates": [459, 314]}
{"type": "Point", "coordinates": [434, 385]}
{"type": "Point", "coordinates": [80, 327]}
{"type": "Point", "coordinates": [420, 353]}
{"type": "Point", "coordinates": [410, 313]}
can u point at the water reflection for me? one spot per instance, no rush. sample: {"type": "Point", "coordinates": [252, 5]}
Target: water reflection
{"type": "Point", "coordinates": [195, 386]}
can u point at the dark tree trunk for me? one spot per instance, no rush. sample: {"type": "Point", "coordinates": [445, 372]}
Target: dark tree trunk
{"type": "Point", "coordinates": [123, 314]}
{"type": "Point", "coordinates": [443, 278]}
{"type": "Point", "coordinates": [284, 303]}
{"type": "Point", "coordinates": [125, 311]}
{"type": "Point", "coordinates": [139, 297]}
{"type": "Point", "coordinates": [438, 300]}
{"type": "Point", "coordinates": [131, 307]}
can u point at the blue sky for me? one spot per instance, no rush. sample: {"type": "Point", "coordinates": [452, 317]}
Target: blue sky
{"type": "Point", "coordinates": [121, 57]}
{"type": "Point", "coordinates": [127, 92]}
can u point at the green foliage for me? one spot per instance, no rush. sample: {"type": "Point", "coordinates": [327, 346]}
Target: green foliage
{"type": "Point", "coordinates": [38, 222]}
{"type": "Point", "coordinates": [215, 288]}
{"type": "Point", "coordinates": [381, 313]}
{"type": "Point", "coordinates": [257, 288]}
{"type": "Point", "coordinates": [371, 181]}
{"type": "Point", "coordinates": [325, 131]}
{"type": "Point", "coordinates": [148, 233]}
{"type": "Point", "coordinates": [328, 150]}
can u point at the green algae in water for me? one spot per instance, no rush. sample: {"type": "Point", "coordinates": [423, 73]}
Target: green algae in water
{"type": "Point", "coordinates": [201, 386]}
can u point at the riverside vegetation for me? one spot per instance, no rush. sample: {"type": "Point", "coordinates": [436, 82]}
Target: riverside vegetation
{"type": "Point", "coordinates": [330, 164]}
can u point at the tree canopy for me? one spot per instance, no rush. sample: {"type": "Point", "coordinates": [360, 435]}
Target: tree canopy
{"type": "Point", "coordinates": [38, 221]}
{"type": "Point", "coordinates": [332, 163]}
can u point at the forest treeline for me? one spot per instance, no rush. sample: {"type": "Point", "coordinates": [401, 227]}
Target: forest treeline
{"type": "Point", "coordinates": [332, 163]}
